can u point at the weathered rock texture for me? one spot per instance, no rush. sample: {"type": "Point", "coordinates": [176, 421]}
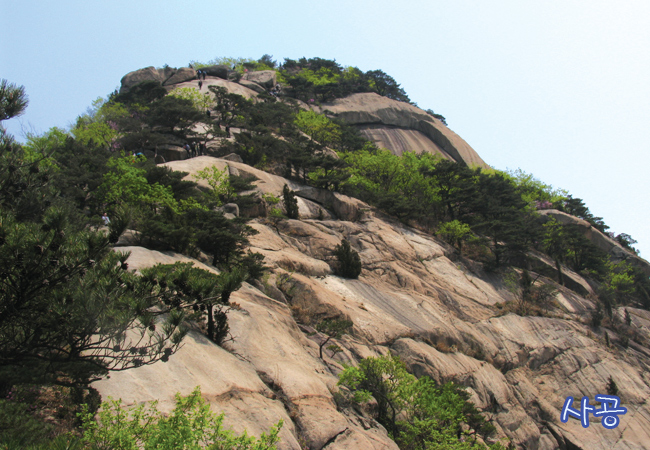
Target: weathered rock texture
{"type": "Point", "coordinates": [443, 319]}
{"type": "Point", "coordinates": [401, 127]}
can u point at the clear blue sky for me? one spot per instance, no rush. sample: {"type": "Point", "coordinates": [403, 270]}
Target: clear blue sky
{"type": "Point", "coordinates": [559, 88]}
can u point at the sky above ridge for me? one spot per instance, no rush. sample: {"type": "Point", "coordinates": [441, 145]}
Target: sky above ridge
{"type": "Point", "coordinates": [558, 88]}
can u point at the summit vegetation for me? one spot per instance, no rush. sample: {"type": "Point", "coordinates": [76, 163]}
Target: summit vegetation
{"type": "Point", "coordinates": [71, 310]}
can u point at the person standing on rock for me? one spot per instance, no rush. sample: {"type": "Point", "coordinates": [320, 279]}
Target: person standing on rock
{"type": "Point", "coordinates": [193, 147]}
{"type": "Point", "coordinates": [202, 149]}
{"type": "Point", "coordinates": [200, 84]}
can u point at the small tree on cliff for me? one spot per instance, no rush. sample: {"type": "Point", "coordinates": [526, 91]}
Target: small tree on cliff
{"type": "Point", "coordinates": [332, 328]}
{"type": "Point", "coordinates": [349, 262]}
{"type": "Point", "coordinates": [290, 202]}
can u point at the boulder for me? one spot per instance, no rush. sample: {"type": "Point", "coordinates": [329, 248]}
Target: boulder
{"type": "Point", "coordinates": [346, 208]}
{"type": "Point", "coordinates": [171, 152]}
{"type": "Point", "coordinates": [230, 86]}
{"type": "Point", "coordinates": [231, 208]}
{"type": "Point", "coordinates": [219, 71]}
{"type": "Point", "coordinates": [138, 76]}
{"type": "Point", "coordinates": [166, 72]}
{"type": "Point", "coordinates": [252, 85]}
{"type": "Point", "coordinates": [181, 75]}
{"type": "Point", "coordinates": [233, 157]}
{"type": "Point", "coordinates": [232, 170]}
{"type": "Point", "coordinates": [265, 78]}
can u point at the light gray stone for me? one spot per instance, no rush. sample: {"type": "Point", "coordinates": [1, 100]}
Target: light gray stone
{"type": "Point", "coordinates": [264, 78]}
{"type": "Point", "coordinates": [138, 76]}
{"type": "Point", "coordinates": [180, 76]}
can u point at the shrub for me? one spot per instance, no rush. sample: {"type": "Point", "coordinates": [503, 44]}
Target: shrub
{"type": "Point", "coordinates": [349, 262]}
{"type": "Point", "coordinates": [418, 413]}
{"type": "Point", "coordinates": [191, 425]}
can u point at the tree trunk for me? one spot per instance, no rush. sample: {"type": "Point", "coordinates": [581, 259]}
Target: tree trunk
{"type": "Point", "coordinates": [210, 322]}
{"type": "Point", "coordinates": [560, 277]}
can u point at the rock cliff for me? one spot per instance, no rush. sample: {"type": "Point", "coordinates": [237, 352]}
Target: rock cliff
{"type": "Point", "coordinates": [443, 316]}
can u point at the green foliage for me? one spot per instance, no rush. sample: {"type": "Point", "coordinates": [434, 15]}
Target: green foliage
{"type": "Point", "coordinates": [385, 85]}
{"type": "Point", "coordinates": [318, 79]}
{"type": "Point", "coordinates": [349, 262]}
{"type": "Point", "coordinates": [13, 100]}
{"type": "Point", "coordinates": [618, 286]}
{"type": "Point", "coordinates": [191, 425]}
{"type": "Point", "coordinates": [534, 192]}
{"type": "Point", "coordinates": [418, 414]}
{"type": "Point", "coordinates": [230, 109]}
{"type": "Point", "coordinates": [290, 202]}
{"type": "Point", "coordinates": [455, 232]}
{"type": "Point", "coordinates": [200, 100]}
{"type": "Point", "coordinates": [19, 428]}
{"type": "Point", "coordinates": [198, 290]}
{"type": "Point", "coordinates": [555, 245]}
{"type": "Point", "coordinates": [576, 207]}
{"type": "Point", "coordinates": [318, 127]}
{"type": "Point", "coordinates": [127, 183]}
{"type": "Point", "coordinates": [118, 224]}
{"type": "Point", "coordinates": [398, 185]}
{"type": "Point", "coordinates": [69, 309]}
{"type": "Point", "coordinates": [532, 297]}
{"type": "Point", "coordinates": [174, 113]}
{"type": "Point", "coordinates": [219, 182]}
{"type": "Point", "coordinates": [62, 289]}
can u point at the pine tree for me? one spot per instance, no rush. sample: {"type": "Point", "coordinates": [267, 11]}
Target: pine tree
{"type": "Point", "coordinates": [290, 202]}
{"type": "Point", "coordinates": [70, 311]}
{"type": "Point", "coordinates": [349, 262]}
{"type": "Point", "coordinates": [612, 388]}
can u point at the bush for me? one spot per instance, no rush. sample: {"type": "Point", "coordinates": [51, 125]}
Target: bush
{"type": "Point", "coordinates": [191, 425]}
{"type": "Point", "coordinates": [418, 413]}
{"type": "Point", "coordinates": [349, 262]}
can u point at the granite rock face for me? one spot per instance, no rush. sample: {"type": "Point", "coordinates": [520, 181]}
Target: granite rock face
{"type": "Point", "coordinates": [413, 298]}
{"type": "Point", "coordinates": [400, 127]}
